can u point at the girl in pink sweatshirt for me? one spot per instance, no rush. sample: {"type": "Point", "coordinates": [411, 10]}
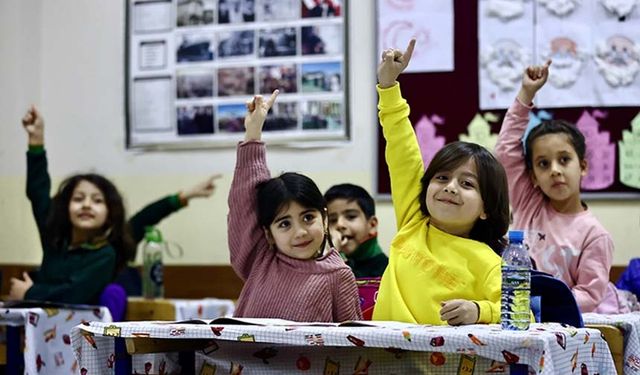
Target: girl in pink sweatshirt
{"type": "Point", "coordinates": [279, 242]}
{"type": "Point", "coordinates": [564, 237]}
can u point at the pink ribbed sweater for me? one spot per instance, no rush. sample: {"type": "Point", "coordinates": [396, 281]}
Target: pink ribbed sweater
{"type": "Point", "coordinates": [277, 286]}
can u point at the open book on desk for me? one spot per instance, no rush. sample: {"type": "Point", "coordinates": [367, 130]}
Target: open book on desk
{"type": "Point", "coordinates": [271, 322]}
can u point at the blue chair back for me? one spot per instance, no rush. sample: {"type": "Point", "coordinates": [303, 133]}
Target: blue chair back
{"type": "Point", "coordinates": [557, 303]}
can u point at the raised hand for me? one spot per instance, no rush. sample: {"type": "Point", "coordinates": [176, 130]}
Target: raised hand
{"type": "Point", "coordinates": [257, 110]}
{"type": "Point", "coordinates": [459, 312]}
{"type": "Point", "coordinates": [393, 63]}
{"type": "Point", "coordinates": [202, 189]}
{"type": "Point", "coordinates": [533, 79]}
{"type": "Point", "coordinates": [33, 123]}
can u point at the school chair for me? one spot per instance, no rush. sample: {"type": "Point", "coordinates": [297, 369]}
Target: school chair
{"type": "Point", "coordinates": [368, 293]}
{"type": "Point", "coordinates": [557, 303]}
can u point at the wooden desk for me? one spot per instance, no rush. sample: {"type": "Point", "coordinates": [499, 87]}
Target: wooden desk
{"type": "Point", "coordinates": [150, 309]}
{"type": "Point", "coordinates": [143, 309]}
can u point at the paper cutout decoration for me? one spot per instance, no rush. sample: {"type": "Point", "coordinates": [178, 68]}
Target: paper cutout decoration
{"type": "Point", "coordinates": [618, 60]}
{"type": "Point", "coordinates": [428, 141]}
{"type": "Point", "coordinates": [504, 62]}
{"type": "Point", "coordinates": [619, 8]}
{"type": "Point", "coordinates": [505, 10]}
{"type": "Point", "coordinates": [560, 7]}
{"type": "Point", "coordinates": [535, 119]}
{"type": "Point", "coordinates": [629, 154]}
{"type": "Point", "coordinates": [601, 152]}
{"type": "Point", "coordinates": [479, 131]}
{"type": "Point", "coordinates": [568, 61]}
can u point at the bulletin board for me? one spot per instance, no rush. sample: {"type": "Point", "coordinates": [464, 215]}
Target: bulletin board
{"type": "Point", "coordinates": [193, 64]}
{"type": "Point", "coordinates": [454, 97]}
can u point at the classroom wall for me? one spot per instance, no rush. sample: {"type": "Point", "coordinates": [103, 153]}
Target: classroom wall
{"type": "Point", "coordinates": [67, 57]}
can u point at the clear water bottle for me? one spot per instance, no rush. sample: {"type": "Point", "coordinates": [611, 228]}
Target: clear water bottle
{"type": "Point", "coordinates": [516, 284]}
{"type": "Point", "coordinates": [152, 270]}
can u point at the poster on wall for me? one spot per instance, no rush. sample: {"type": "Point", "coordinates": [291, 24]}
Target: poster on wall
{"type": "Point", "coordinates": [193, 64]}
{"type": "Point", "coordinates": [429, 21]}
{"type": "Point", "coordinates": [592, 66]}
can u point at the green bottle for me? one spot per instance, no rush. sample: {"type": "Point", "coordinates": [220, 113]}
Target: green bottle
{"type": "Point", "coordinates": [152, 270]}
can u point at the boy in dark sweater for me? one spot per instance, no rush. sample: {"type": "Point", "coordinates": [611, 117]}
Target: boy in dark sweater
{"type": "Point", "coordinates": [352, 213]}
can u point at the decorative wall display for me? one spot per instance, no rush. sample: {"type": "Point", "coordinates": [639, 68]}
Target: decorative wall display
{"type": "Point", "coordinates": [592, 66]}
{"type": "Point", "coordinates": [193, 64]}
{"type": "Point", "coordinates": [429, 21]}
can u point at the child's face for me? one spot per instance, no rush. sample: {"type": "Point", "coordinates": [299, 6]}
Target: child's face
{"type": "Point", "coordinates": [297, 231]}
{"type": "Point", "coordinates": [87, 207]}
{"type": "Point", "coordinates": [347, 218]}
{"type": "Point", "coordinates": [557, 170]}
{"type": "Point", "coordinates": [454, 201]}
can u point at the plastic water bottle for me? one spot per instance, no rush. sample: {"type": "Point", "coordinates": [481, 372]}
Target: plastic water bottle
{"type": "Point", "coordinates": [516, 284]}
{"type": "Point", "coordinates": [152, 277]}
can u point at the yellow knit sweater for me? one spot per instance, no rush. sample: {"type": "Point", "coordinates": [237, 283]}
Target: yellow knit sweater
{"type": "Point", "coordinates": [426, 265]}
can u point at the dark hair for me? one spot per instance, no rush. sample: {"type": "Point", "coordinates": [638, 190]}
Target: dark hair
{"type": "Point", "coordinates": [58, 225]}
{"type": "Point", "coordinates": [276, 193]}
{"type": "Point", "coordinates": [352, 193]}
{"type": "Point", "coordinates": [553, 127]}
{"type": "Point", "coordinates": [492, 181]}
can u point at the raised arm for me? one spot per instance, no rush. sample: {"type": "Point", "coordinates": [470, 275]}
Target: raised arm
{"type": "Point", "coordinates": [38, 180]}
{"type": "Point", "coordinates": [402, 151]}
{"type": "Point", "coordinates": [246, 238]}
{"type": "Point", "coordinates": [509, 149]}
{"type": "Point", "coordinates": [157, 211]}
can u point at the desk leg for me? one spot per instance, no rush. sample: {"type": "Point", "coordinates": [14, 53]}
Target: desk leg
{"type": "Point", "coordinates": [123, 359]}
{"type": "Point", "coordinates": [187, 362]}
{"type": "Point", "coordinates": [15, 358]}
{"type": "Point", "coordinates": [519, 369]}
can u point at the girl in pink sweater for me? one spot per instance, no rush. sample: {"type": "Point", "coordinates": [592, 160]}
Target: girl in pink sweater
{"type": "Point", "coordinates": [279, 242]}
{"type": "Point", "coordinates": [565, 238]}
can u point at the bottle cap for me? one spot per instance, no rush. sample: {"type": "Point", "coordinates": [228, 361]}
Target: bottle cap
{"type": "Point", "coordinates": [152, 234]}
{"type": "Point", "coordinates": [516, 236]}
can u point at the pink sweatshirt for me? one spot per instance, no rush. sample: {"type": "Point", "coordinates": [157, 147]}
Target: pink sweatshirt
{"type": "Point", "coordinates": [277, 286]}
{"type": "Point", "coordinates": [572, 247]}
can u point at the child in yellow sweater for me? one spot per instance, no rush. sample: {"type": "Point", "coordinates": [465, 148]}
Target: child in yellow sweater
{"type": "Point", "coordinates": [444, 265]}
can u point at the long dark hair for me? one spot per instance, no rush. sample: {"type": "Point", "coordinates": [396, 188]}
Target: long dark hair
{"type": "Point", "coordinates": [276, 193]}
{"type": "Point", "coordinates": [58, 226]}
{"type": "Point", "coordinates": [492, 181]}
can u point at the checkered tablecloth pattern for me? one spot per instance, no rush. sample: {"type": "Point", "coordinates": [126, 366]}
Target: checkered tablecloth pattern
{"type": "Point", "coordinates": [47, 332]}
{"type": "Point", "coordinates": [630, 325]}
{"type": "Point", "coordinates": [548, 348]}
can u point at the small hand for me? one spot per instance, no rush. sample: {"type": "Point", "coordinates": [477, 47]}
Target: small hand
{"type": "Point", "coordinates": [257, 110]}
{"type": "Point", "coordinates": [337, 239]}
{"type": "Point", "coordinates": [533, 79]}
{"type": "Point", "coordinates": [202, 189]}
{"type": "Point", "coordinates": [459, 312]}
{"type": "Point", "coordinates": [393, 63]}
{"type": "Point", "coordinates": [19, 287]}
{"type": "Point", "coordinates": [33, 123]}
